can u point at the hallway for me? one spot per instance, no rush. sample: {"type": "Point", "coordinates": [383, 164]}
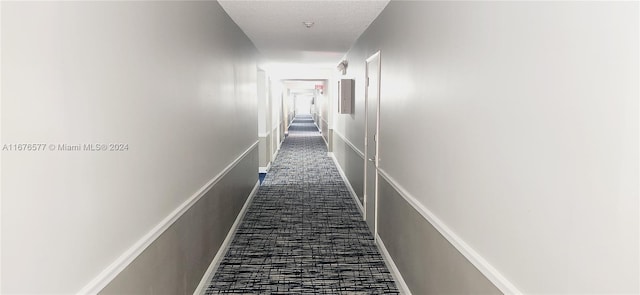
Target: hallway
{"type": "Point", "coordinates": [412, 147]}
{"type": "Point", "coordinates": [303, 233]}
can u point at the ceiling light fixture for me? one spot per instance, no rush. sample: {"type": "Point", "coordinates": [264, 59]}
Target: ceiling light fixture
{"type": "Point", "coordinates": [308, 24]}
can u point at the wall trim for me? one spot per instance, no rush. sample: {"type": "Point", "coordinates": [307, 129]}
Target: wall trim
{"type": "Point", "coordinates": [395, 272]}
{"type": "Point", "coordinates": [264, 134]}
{"type": "Point", "coordinates": [224, 247]}
{"type": "Point", "coordinates": [322, 120]}
{"type": "Point", "coordinates": [359, 152]}
{"type": "Point", "coordinates": [325, 140]}
{"type": "Point", "coordinates": [264, 169]}
{"type": "Point", "coordinates": [277, 149]}
{"type": "Point", "coordinates": [330, 140]}
{"type": "Point", "coordinates": [349, 187]}
{"type": "Point", "coordinates": [110, 272]}
{"type": "Point", "coordinates": [320, 130]}
{"type": "Point", "coordinates": [490, 272]}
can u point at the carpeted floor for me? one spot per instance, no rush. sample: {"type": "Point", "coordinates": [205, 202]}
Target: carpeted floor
{"type": "Point", "coordinates": [303, 233]}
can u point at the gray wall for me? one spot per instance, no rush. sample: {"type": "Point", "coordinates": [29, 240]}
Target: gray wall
{"type": "Point", "coordinates": [512, 128]}
{"type": "Point", "coordinates": [325, 130]}
{"type": "Point", "coordinates": [264, 119]}
{"type": "Point", "coordinates": [351, 161]}
{"type": "Point", "coordinates": [176, 81]}
{"type": "Point", "coordinates": [439, 268]}
{"type": "Point", "coordinates": [265, 150]}
{"type": "Point", "coordinates": [176, 261]}
{"type": "Point", "coordinates": [275, 142]}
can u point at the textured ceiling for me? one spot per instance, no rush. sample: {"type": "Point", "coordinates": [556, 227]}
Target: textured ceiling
{"type": "Point", "coordinates": [276, 27]}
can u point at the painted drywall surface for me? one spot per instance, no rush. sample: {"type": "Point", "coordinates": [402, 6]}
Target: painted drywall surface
{"type": "Point", "coordinates": [264, 147]}
{"type": "Point", "coordinates": [276, 103]}
{"type": "Point", "coordinates": [276, 115]}
{"type": "Point", "coordinates": [264, 118]}
{"type": "Point", "coordinates": [517, 125]}
{"type": "Point", "coordinates": [176, 261]}
{"type": "Point", "coordinates": [263, 102]}
{"type": "Point", "coordinates": [290, 107]}
{"type": "Point", "coordinates": [351, 163]}
{"type": "Point", "coordinates": [440, 268]}
{"type": "Point", "coordinates": [176, 81]}
{"type": "Point", "coordinates": [323, 103]}
{"type": "Point", "coordinates": [302, 104]}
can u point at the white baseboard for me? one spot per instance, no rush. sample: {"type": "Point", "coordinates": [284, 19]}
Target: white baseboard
{"type": "Point", "coordinates": [215, 263]}
{"type": "Point", "coordinates": [264, 169]}
{"type": "Point", "coordinates": [397, 276]}
{"type": "Point", "coordinates": [490, 272]}
{"type": "Point", "coordinates": [325, 141]}
{"type": "Point", "coordinates": [110, 272]}
{"type": "Point", "coordinates": [349, 187]}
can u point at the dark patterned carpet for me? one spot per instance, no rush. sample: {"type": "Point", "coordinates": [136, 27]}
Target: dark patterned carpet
{"type": "Point", "coordinates": [303, 233]}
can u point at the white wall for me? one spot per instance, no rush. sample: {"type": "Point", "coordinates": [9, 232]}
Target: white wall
{"type": "Point", "coordinates": [176, 81]}
{"type": "Point", "coordinates": [276, 103]}
{"type": "Point", "coordinates": [303, 104]}
{"type": "Point", "coordinates": [289, 106]}
{"type": "Point", "coordinates": [263, 103]}
{"type": "Point", "coordinates": [323, 102]}
{"type": "Point", "coordinates": [516, 124]}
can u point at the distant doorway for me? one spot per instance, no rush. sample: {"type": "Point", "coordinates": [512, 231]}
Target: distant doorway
{"type": "Point", "coordinates": [303, 104]}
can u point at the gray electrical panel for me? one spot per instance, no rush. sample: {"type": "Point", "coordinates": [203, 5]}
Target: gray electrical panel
{"type": "Point", "coordinates": [345, 96]}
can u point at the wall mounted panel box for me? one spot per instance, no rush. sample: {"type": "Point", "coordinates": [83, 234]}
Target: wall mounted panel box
{"type": "Point", "coordinates": [345, 96]}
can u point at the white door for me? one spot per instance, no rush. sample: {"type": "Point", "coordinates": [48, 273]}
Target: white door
{"type": "Point", "coordinates": [371, 146]}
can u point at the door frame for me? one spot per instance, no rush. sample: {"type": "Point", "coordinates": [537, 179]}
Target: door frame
{"type": "Point", "coordinates": [376, 139]}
